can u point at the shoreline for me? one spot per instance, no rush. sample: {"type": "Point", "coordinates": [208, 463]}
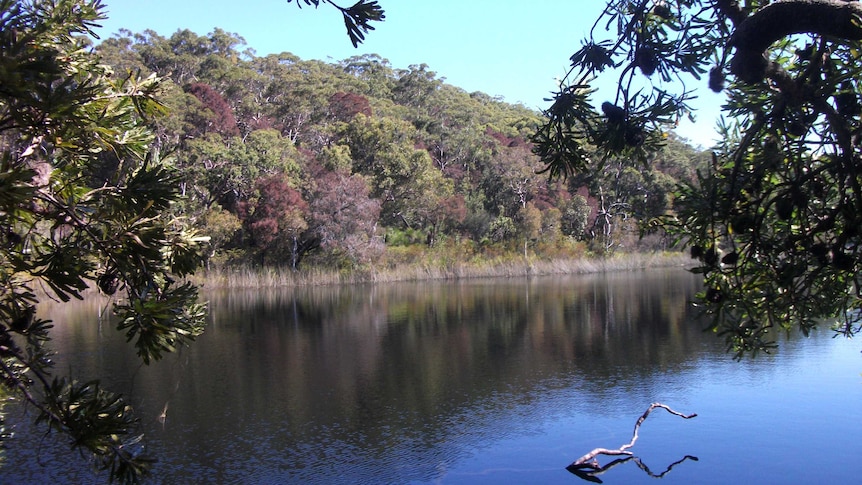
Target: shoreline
{"type": "Point", "coordinates": [282, 277]}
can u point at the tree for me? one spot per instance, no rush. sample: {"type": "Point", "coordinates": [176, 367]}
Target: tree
{"type": "Point", "coordinates": [574, 217]}
{"type": "Point", "coordinates": [224, 171]}
{"type": "Point", "coordinates": [343, 218]}
{"type": "Point", "coordinates": [403, 178]}
{"type": "Point", "coordinates": [626, 197]}
{"type": "Point", "coordinates": [510, 179]}
{"type": "Point", "coordinates": [220, 118]}
{"type": "Point", "coordinates": [374, 71]}
{"type": "Point", "coordinates": [528, 220]}
{"type": "Point", "coordinates": [278, 219]}
{"type": "Point", "coordinates": [223, 228]}
{"type": "Point", "coordinates": [344, 106]}
{"type": "Point", "coordinates": [84, 202]}
{"type": "Point", "coordinates": [774, 221]}
{"type": "Point", "coordinates": [415, 86]}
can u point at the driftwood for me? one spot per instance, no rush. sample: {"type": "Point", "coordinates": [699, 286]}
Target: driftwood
{"type": "Point", "coordinates": [588, 461]}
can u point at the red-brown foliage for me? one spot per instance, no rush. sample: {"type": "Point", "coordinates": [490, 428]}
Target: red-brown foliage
{"type": "Point", "coordinates": [222, 120]}
{"type": "Point", "coordinates": [280, 212]}
{"type": "Point", "coordinates": [344, 106]}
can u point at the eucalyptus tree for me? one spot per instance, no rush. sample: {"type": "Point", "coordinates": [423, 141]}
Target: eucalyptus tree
{"type": "Point", "coordinates": [343, 220]}
{"type": "Point", "coordinates": [277, 220]}
{"type": "Point", "coordinates": [373, 70]}
{"type": "Point", "coordinates": [510, 179]}
{"type": "Point", "coordinates": [575, 213]}
{"type": "Point", "coordinates": [84, 203]}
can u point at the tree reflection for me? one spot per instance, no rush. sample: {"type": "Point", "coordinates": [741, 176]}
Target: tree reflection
{"type": "Point", "coordinates": [418, 373]}
{"type": "Point", "coordinates": [429, 350]}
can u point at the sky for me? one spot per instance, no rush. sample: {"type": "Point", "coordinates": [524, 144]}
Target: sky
{"type": "Point", "coordinates": [506, 48]}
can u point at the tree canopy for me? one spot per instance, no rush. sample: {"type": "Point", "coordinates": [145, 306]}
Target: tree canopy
{"type": "Point", "coordinates": [440, 171]}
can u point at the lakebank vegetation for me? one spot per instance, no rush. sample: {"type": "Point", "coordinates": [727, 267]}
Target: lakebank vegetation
{"type": "Point", "coordinates": [358, 167]}
{"type": "Point", "coordinates": [774, 219]}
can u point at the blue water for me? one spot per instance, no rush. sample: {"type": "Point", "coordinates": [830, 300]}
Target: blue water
{"type": "Point", "coordinates": [497, 381]}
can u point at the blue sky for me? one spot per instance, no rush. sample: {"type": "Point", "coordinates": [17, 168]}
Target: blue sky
{"type": "Point", "coordinates": [506, 48]}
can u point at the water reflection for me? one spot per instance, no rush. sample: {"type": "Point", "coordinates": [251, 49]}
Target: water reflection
{"type": "Point", "coordinates": [429, 347]}
{"type": "Point", "coordinates": [593, 475]}
{"type": "Point", "coordinates": [464, 382]}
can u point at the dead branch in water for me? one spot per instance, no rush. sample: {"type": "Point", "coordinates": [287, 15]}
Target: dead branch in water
{"type": "Point", "coordinates": [589, 461]}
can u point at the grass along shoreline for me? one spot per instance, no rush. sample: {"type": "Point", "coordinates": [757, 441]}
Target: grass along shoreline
{"type": "Point", "coordinates": [283, 277]}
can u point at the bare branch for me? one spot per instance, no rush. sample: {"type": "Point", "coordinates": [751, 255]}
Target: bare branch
{"type": "Point", "coordinates": [588, 460]}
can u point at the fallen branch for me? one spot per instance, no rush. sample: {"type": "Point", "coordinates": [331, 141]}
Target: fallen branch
{"type": "Point", "coordinates": [591, 475]}
{"type": "Point", "coordinates": [589, 461]}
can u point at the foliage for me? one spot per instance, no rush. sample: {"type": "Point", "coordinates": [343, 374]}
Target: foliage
{"type": "Point", "coordinates": [221, 117]}
{"type": "Point", "coordinates": [84, 202]}
{"type": "Point", "coordinates": [356, 18]}
{"type": "Point", "coordinates": [774, 221]}
{"type": "Point", "coordinates": [401, 176]}
{"type": "Point", "coordinates": [282, 160]}
{"type": "Point", "coordinates": [278, 219]}
{"type": "Point", "coordinates": [575, 214]}
{"type": "Point", "coordinates": [426, 158]}
{"type": "Point", "coordinates": [344, 106]}
{"type": "Point", "coordinates": [343, 217]}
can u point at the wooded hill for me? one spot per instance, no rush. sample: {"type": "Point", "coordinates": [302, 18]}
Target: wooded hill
{"type": "Point", "coordinates": [357, 163]}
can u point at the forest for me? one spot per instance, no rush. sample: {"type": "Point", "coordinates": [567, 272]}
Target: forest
{"type": "Point", "coordinates": [357, 164]}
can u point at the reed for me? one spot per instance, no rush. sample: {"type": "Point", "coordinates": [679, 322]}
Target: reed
{"type": "Point", "coordinates": [247, 277]}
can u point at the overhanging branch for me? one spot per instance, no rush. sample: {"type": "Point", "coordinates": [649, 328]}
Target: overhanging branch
{"type": "Point", "coordinates": [841, 19]}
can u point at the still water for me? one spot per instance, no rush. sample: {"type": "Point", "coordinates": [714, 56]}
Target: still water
{"type": "Point", "coordinates": [486, 381]}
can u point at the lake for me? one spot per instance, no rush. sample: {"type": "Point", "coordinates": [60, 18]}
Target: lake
{"type": "Point", "coordinates": [469, 382]}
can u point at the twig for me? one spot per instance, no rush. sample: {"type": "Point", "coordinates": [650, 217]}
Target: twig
{"type": "Point", "coordinates": [588, 460]}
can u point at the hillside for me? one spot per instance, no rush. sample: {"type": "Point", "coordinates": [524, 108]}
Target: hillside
{"type": "Point", "coordinates": [291, 162]}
